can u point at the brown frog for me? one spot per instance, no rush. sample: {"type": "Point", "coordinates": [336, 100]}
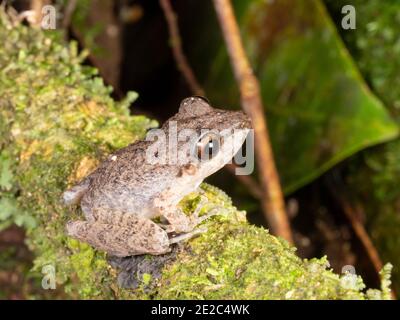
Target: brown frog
{"type": "Point", "coordinates": [143, 181]}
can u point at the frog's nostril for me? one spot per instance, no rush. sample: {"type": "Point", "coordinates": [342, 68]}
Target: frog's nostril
{"type": "Point", "coordinates": [247, 122]}
{"type": "Point", "coordinates": [244, 122]}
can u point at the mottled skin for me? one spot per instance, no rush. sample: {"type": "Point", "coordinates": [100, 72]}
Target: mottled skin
{"type": "Point", "coordinates": [126, 191]}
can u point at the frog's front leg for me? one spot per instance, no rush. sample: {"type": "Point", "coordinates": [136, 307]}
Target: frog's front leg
{"type": "Point", "coordinates": [121, 234]}
{"type": "Point", "coordinates": [178, 221]}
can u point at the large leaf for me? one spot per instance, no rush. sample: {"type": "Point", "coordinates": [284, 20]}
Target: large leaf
{"type": "Point", "coordinates": [319, 109]}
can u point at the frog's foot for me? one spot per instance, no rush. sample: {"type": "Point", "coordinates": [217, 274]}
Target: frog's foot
{"type": "Point", "coordinates": [215, 211]}
{"type": "Point", "coordinates": [200, 205]}
{"type": "Point", "coordinates": [187, 236]}
{"type": "Point", "coordinates": [132, 237]}
{"type": "Point", "coordinates": [180, 223]}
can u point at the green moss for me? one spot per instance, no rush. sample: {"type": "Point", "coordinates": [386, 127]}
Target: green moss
{"type": "Point", "coordinates": [58, 121]}
{"type": "Point", "coordinates": [246, 262]}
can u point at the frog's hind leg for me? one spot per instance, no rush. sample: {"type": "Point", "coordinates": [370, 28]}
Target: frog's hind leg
{"type": "Point", "coordinates": [121, 234]}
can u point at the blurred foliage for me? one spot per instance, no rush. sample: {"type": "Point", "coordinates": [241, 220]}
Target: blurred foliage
{"type": "Point", "coordinates": [376, 33]}
{"type": "Point", "coordinates": [317, 103]}
{"type": "Point", "coordinates": [58, 121]}
{"type": "Point", "coordinates": [374, 175]}
{"type": "Point", "coordinates": [79, 20]}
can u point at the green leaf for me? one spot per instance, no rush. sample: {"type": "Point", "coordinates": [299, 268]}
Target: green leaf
{"type": "Point", "coordinates": [319, 109]}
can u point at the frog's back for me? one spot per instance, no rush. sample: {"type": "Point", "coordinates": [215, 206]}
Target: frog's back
{"type": "Point", "coordinates": [126, 181]}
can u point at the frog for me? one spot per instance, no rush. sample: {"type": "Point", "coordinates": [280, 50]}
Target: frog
{"type": "Point", "coordinates": [130, 202]}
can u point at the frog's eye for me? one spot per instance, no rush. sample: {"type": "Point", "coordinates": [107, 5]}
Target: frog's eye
{"type": "Point", "coordinates": [202, 98]}
{"type": "Point", "coordinates": [208, 146]}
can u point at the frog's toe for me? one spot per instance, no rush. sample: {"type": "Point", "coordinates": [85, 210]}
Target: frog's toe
{"type": "Point", "coordinates": [187, 236]}
{"type": "Point", "coordinates": [200, 205]}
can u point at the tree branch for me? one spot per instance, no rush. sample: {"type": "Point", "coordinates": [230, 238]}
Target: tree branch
{"type": "Point", "coordinates": [68, 13]}
{"type": "Point", "coordinates": [272, 200]}
{"type": "Point", "coordinates": [196, 88]}
{"type": "Point", "coordinates": [175, 41]}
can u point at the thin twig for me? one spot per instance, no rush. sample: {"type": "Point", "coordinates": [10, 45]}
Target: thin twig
{"type": "Point", "coordinates": [68, 12]}
{"type": "Point", "coordinates": [36, 7]}
{"type": "Point", "coordinates": [272, 200]}
{"type": "Point", "coordinates": [177, 51]}
{"type": "Point", "coordinates": [353, 214]}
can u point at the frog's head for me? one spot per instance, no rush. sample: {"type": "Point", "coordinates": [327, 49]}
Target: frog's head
{"type": "Point", "coordinates": [207, 138]}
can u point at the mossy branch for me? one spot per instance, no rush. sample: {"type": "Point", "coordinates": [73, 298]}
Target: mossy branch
{"type": "Point", "coordinates": [57, 121]}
